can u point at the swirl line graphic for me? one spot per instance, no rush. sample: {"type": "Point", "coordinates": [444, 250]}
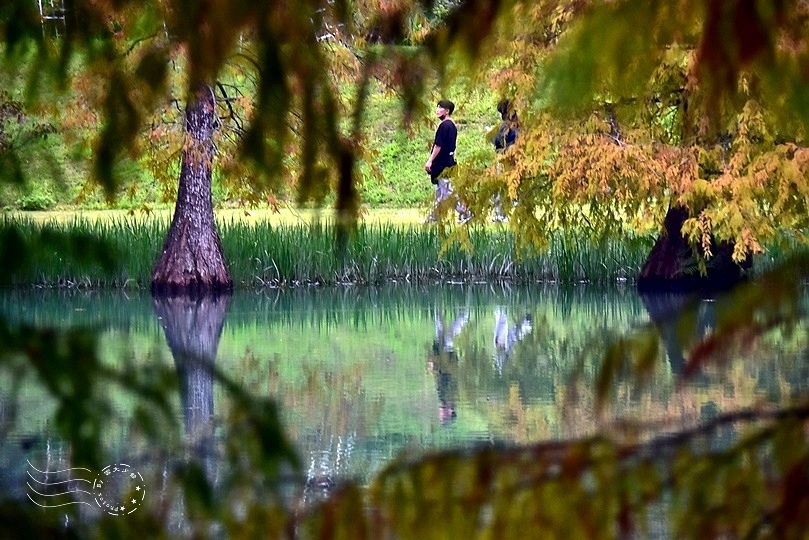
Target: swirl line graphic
{"type": "Point", "coordinates": [60, 471]}
{"type": "Point", "coordinates": [52, 489]}
{"type": "Point", "coordinates": [59, 482]}
{"type": "Point", "coordinates": [56, 505]}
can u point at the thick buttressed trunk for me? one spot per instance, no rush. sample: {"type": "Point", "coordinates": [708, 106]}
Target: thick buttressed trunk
{"type": "Point", "coordinates": [671, 265]}
{"type": "Point", "coordinates": [192, 260]}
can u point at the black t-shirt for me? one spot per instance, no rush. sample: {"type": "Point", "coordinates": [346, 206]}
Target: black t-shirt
{"type": "Point", "coordinates": [445, 137]}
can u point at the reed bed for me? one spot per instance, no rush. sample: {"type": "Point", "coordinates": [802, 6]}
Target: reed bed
{"type": "Point", "coordinates": [121, 252]}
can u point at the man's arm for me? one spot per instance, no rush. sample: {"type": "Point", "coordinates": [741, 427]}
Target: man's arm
{"type": "Point", "coordinates": [429, 165]}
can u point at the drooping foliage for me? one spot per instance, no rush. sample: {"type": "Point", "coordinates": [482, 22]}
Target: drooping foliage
{"type": "Point", "coordinates": [619, 124]}
{"type": "Point", "coordinates": [290, 80]}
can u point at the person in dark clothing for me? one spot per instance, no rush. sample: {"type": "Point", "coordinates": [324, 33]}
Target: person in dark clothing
{"type": "Point", "coordinates": [505, 136]}
{"type": "Point", "coordinates": [442, 160]}
{"type": "Point", "coordinates": [509, 126]}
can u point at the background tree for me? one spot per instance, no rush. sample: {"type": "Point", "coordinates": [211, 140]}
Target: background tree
{"type": "Point", "coordinates": [17, 133]}
{"type": "Point", "coordinates": [192, 259]}
{"type": "Point", "coordinates": [289, 112]}
{"type": "Point", "coordinates": [691, 120]}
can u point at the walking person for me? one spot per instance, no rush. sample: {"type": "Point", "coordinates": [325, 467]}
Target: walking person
{"type": "Point", "coordinates": [506, 136]}
{"type": "Point", "coordinates": [442, 159]}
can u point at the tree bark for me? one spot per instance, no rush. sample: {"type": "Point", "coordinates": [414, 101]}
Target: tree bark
{"type": "Point", "coordinates": [671, 265]}
{"type": "Point", "coordinates": [192, 260]}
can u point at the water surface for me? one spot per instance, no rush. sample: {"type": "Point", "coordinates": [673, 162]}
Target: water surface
{"type": "Point", "coordinates": [363, 375]}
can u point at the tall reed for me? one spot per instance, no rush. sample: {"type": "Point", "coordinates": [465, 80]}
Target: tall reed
{"type": "Point", "coordinates": [263, 255]}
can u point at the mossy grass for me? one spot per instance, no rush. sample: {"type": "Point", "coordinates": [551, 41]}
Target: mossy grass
{"type": "Point", "coordinates": [299, 253]}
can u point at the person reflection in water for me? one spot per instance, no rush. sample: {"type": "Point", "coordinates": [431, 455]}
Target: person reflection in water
{"type": "Point", "coordinates": [506, 336]}
{"type": "Point", "coordinates": [443, 364]}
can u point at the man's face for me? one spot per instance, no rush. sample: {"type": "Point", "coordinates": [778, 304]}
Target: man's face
{"type": "Point", "coordinates": [441, 112]}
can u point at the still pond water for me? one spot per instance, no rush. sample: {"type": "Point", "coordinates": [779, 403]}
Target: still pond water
{"type": "Point", "coordinates": [365, 375]}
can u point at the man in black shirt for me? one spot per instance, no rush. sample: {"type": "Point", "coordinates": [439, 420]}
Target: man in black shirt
{"type": "Point", "coordinates": [442, 157]}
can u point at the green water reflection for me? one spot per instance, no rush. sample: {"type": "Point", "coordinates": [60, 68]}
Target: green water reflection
{"type": "Point", "coordinates": [364, 375]}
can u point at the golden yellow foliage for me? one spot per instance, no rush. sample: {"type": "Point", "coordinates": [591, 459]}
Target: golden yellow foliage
{"type": "Point", "coordinates": [619, 125]}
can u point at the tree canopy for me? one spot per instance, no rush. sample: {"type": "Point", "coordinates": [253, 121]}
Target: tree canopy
{"type": "Point", "coordinates": [291, 80]}
{"type": "Point", "coordinates": [697, 110]}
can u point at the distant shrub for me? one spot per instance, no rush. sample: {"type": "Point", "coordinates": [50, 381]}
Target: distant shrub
{"type": "Point", "coordinates": [36, 200]}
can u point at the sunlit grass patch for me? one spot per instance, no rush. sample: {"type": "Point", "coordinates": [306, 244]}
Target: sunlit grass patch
{"type": "Point", "coordinates": [285, 215]}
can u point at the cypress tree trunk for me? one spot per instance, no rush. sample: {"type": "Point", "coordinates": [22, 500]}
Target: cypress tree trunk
{"type": "Point", "coordinates": [192, 260]}
{"type": "Point", "coordinates": [672, 265]}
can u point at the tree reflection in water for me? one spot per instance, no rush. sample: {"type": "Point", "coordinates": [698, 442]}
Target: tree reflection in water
{"type": "Point", "coordinates": [682, 320]}
{"type": "Point", "coordinates": [193, 327]}
{"type": "Point", "coordinates": [347, 370]}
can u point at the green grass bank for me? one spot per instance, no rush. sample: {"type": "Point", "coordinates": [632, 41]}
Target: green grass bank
{"type": "Point", "coordinates": [119, 251]}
